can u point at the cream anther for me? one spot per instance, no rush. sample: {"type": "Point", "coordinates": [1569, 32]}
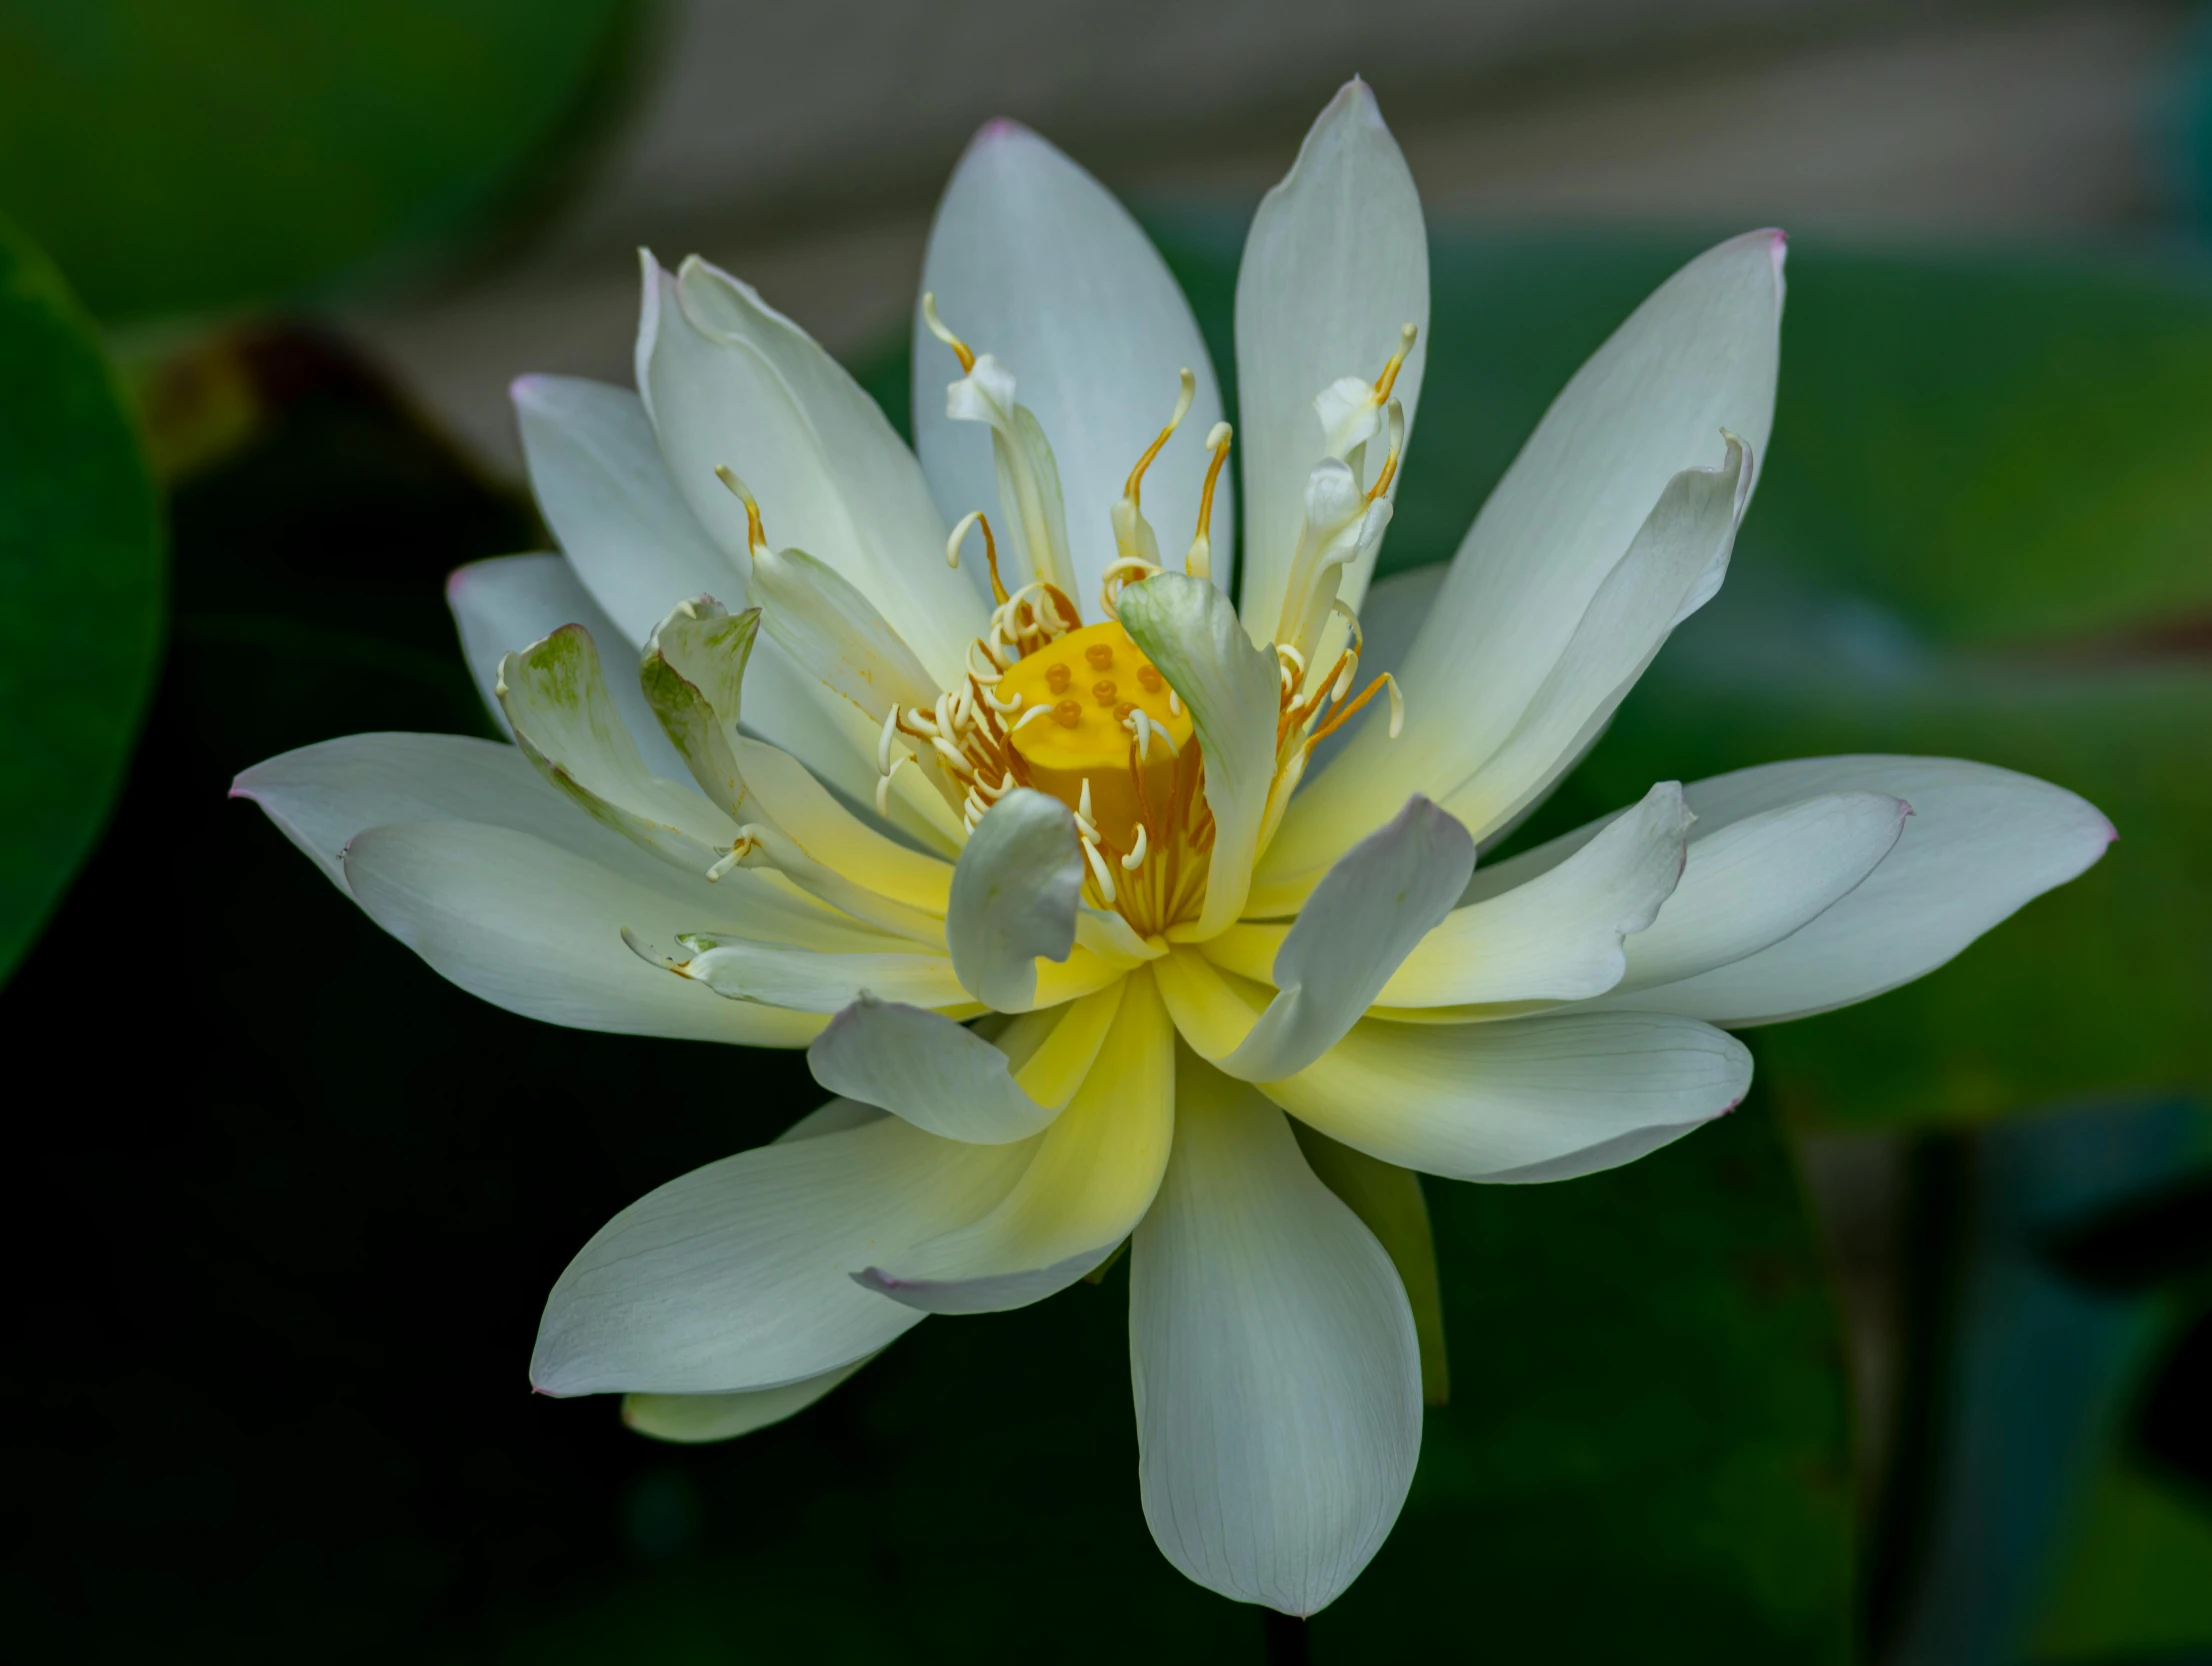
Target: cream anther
{"type": "Point", "coordinates": [1135, 859]}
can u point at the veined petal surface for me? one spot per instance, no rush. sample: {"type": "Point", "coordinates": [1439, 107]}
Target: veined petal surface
{"type": "Point", "coordinates": [532, 928]}
{"type": "Point", "coordinates": [1273, 1358]}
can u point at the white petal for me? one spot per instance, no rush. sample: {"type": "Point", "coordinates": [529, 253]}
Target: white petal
{"type": "Point", "coordinates": [1478, 1101]}
{"type": "Point", "coordinates": [1014, 895]}
{"type": "Point", "coordinates": [808, 980]}
{"type": "Point", "coordinates": [1034, 262]}
{"type": "Point", "coordinates": [1385, 895]}
{"type": "Point", "coordinates": [834, 633]}
{"type": "Point", "coordinates": [597, 472]}
{"type": "Point", "coordinates": [320, 796]}
{"type": "Point", "coordinates": [603, 487]}
{"type": "Point", "coordinates": [1091, 1178]}
{"type": "Point", "coordinates": [736, 1276]}
{"type": "Point", "coordinates": [1698, 357]}
{"type": "Point", "coordinates": [1979, 844]}
{"type": "Point", "coordinates": [1272, 1352]}
{"type": "Point", "coordinates": [732, 383]}
{"type": "Point", "coordinates": [1189, 630]}
{"type": "Point", "coordinates": [1689, 530]}
{"type": "Point", "coordinates": [694, 1418]}
{"type": "Point", "coordinates": [1336, 262]}
{"type": "Point", "coordinates": [1752, 882]}
{"type": "Point", "coordinates": [510, 602]}
{"type": "Point", "coordinates": [949, 1080]}
{"type": "Point", "coordinates": [1482, 1101]}
{"type": "Point", "coordinates": [566, 722]}
{"type": "Point", "coordinates": [779, 788]}
{"type": "Point", "coordinates": [1559, 936]}
{"type": "Point", "coordinates": [537, 930]}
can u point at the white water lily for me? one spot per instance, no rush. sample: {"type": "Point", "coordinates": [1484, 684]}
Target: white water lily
{"type": "Point", "coordinates": [919, 766]}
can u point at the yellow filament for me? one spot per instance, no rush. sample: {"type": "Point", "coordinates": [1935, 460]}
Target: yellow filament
{"type": "Point", "coordinates": [756, 536]}
{"type": "Point", "coordinates": [1217, 442]}
{"type": "Point", "coordinates": [976, 517]}
{"type": "Point", "coordinates": [960, 349]}
{"type": "Point", "coordinates": [1397, 449]}
{"type": "Point", "coordinates": [1389, 377]}
{"type": "Point", "coordinates": [1343, 714]}
{"type": "Point", "coordinates": [1182, 409]}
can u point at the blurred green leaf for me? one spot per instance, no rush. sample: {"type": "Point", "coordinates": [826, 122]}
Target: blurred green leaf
{"type": "Point", "coordinates": [80, 589]}
{"type": "Point", "coordinates": [189, 156]}
{"type": "Point", "coordinates": [1996, 448]}
{"type": "Point", "coordinates": [1648, 1403]}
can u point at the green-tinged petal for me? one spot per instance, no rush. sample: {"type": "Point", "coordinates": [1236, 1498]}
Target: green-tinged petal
{"type": "Point", "coordinates": [1014, 896]}
{"type": "Point", "coordinates": [950, 1081]}
{"type": "Point", "coordinates": [1189, 630]}
{"type": "Point", "coordinates": [602, 484]}
{"type": "Point", "coordinates": [737, 1275]}
{"type": "Point", "coordinates": [693, 677]}
{"type": "Point", "coordinates": [1335, 265]}
{"type": "Point", "coordinates": [512, 601]}
{"type": "Point", "coordinates": [1091, 1178]}
{"type": "Point", "coordinates": [692, 1419]}
{"type": "Point", "coordinates": [1384, 896]}
{"type": "Point", "coordinates": [567, 724]}
{"type": "Point", "coordinates": [1274, 1360]}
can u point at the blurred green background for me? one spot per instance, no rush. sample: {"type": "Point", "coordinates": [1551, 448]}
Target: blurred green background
{"type": "Point", "coordinates": [1906, 1362]}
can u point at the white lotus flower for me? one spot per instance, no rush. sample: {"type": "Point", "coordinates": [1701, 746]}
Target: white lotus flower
{"type": "Point", "coordinates": [866, 798]}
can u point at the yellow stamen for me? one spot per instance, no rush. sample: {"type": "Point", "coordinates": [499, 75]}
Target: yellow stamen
{"type": "Point", "coordinates": [756, 536]}
{"type": "Point", "coordinates": [1343, 714]}
{"type": "Point", "coordinates": [1389, 377]}
{"type": "Point", "coordinates": [1182, 409]}
{"type": "Point", "coordinates": [976, 517]}
{"type": "Point", "coordinates": [960, 349]}
{"type": "Point", "coordinates": [1397, 450]}
{"type": "Point", "coordinates": [1198, 562]}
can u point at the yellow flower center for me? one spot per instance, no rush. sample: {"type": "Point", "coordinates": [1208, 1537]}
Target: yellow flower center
{"type": "Point", "coordinates": [1086, 689]}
